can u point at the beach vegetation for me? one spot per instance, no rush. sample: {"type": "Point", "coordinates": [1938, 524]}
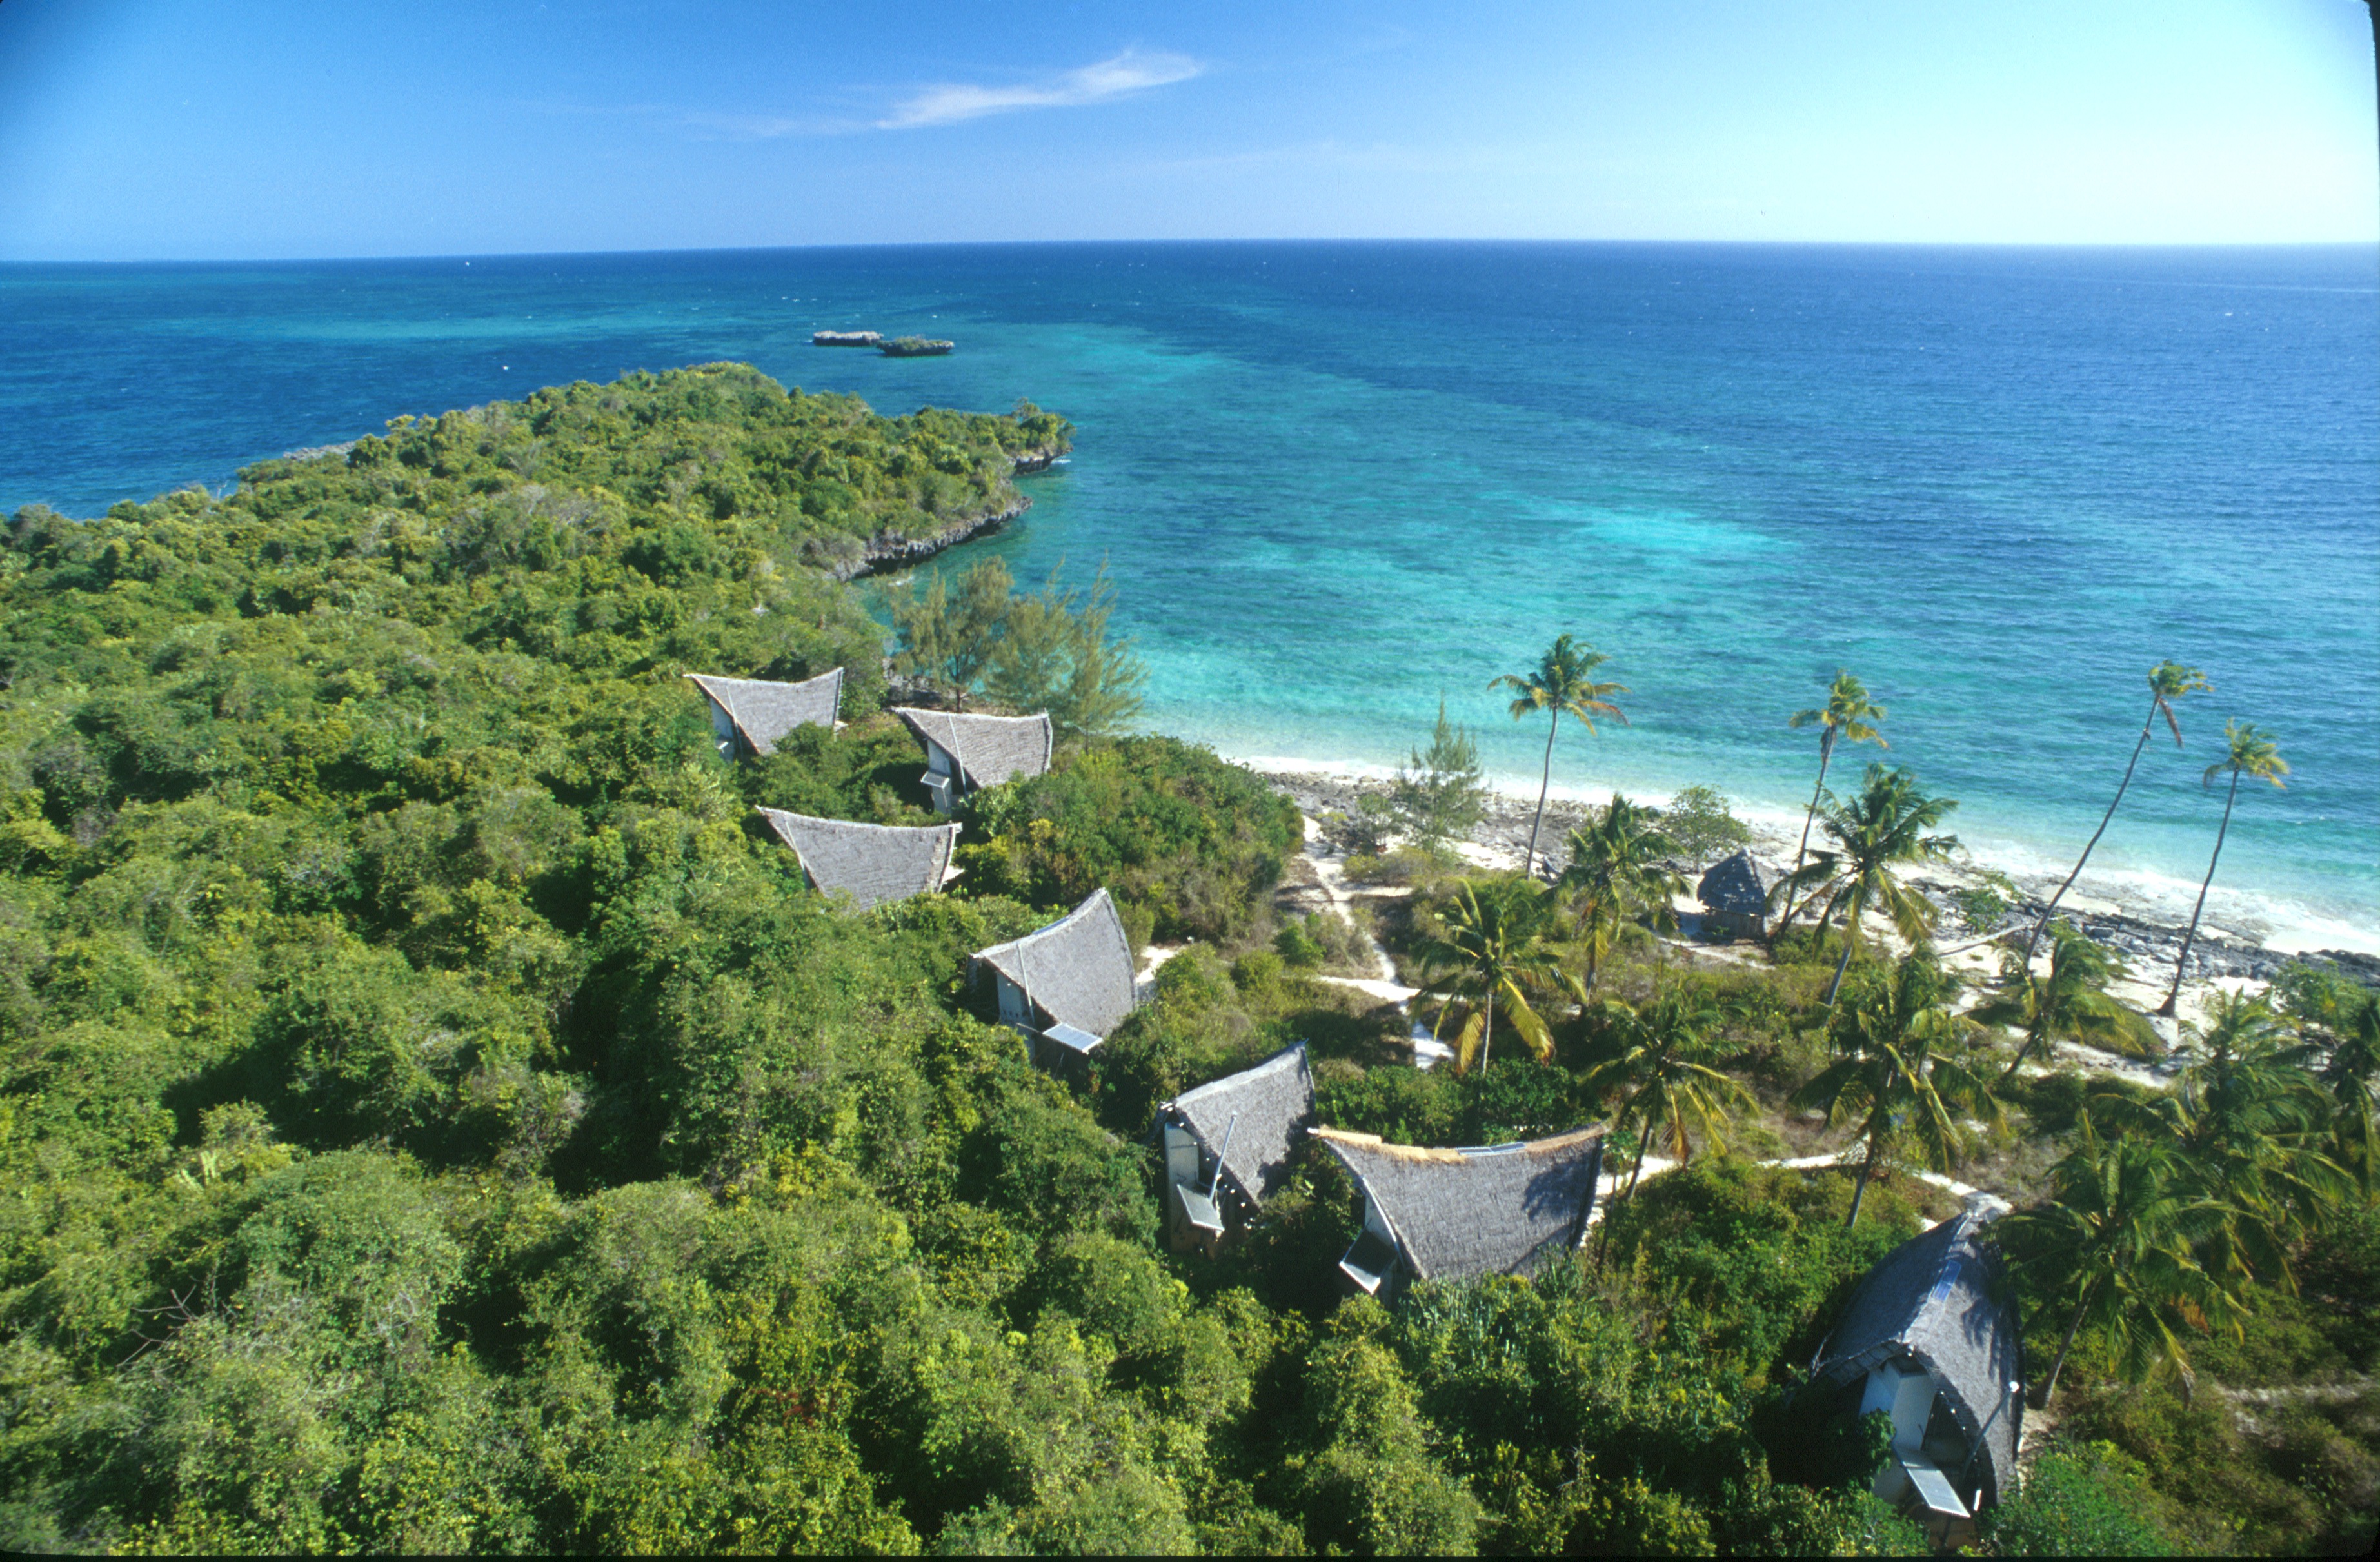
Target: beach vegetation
{"type": "Point", "coordinates": [1490, 950]}
{"type": "Point", "coordinates": [2067, 1003]}
{"type": "Point", "coordinates": [1882, 828]}
{"type": "Point", "coordinates": [1439, 794]}
{"type": "Point", "coordinates": [1619, 875]}
{"type": "Point", "coordinates": [1848, 713]}
{"type": "Point", "coordinates": [2247, 752]}
{"type": "Point", "coordinates": [1562, 683]}
{"type": "Point", "coordinates": [2168, 681]}
{"type": "Point", "coordinates": [1898, 1069]}
{"type": "Point", "coordinates": [1702, 826]}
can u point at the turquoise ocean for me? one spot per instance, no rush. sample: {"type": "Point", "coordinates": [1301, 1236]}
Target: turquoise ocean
{"type": "Point", "coordinates": [1333, 482]}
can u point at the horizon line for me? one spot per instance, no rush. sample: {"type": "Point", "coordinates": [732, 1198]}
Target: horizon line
{"type": "Point", "coordinates": [303, 258]}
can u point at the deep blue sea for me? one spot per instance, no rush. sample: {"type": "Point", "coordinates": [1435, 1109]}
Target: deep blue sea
{"type": "Point", "coordinates": [1331, 482]}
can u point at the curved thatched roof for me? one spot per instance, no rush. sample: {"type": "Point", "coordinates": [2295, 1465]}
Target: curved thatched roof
{"type": "Point", "coordinates": [872, 863]}
{"type": "Point", "coordinates": [764, 712]}
{"type": "Point", "coordinates": [1078, 971]}
{"type": "Point", "coordinates": [1258, 1111]}
{"type": "Point", "coordinates": [1502, 1209]}
{"type": "Point", "coordinates": [989, 749]}
{"type": "Point", "coordinates": [1932, 1299]}
{"type": "Point", "coordinates": [1735, 885]}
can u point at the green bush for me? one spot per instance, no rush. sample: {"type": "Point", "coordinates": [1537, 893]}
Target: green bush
{"type": "Point", "coordinates": [1163, 824]}
{"type": "Point", "coordinates": [2090, 1500]}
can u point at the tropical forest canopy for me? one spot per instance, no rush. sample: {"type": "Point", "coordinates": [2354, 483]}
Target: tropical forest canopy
{"type": "Point", "coordinates": [436, 1119]}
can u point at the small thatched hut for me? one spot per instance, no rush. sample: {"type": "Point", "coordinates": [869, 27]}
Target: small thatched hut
{"type": "Point", "coordinates": [1065, 988]}
{"type": "Point", "coordinates": [1227, 1145]}
{"type": "Point", "coordinates": [748, 714]}
{"type": "Point", "coordinates": [966, 752]}
{"type": "Point", "coordinates": [871, 862]}
{"type": "Point", "coordinates": [1931, 1338]}
{"type": "Point", "coordinates": [1735, 898]}
{"type": "Point", "coordinates": [1444, 1215]}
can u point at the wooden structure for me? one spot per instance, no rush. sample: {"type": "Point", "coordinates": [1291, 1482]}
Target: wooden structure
{"type": "Point", "coordinates": [1445, 1214]}
{"type": "Point", "coordinates": [1735, 898]}
{"type": "Point", "coordinates": [871, 862]}
{"type": "Point", "coordinates": [1228, 1144]}
{"type": "Point", "coordinates": [748, 716]}
{"type": "Point", "coordinates": [1931, 1338]}
{"type": "Point", "coordinates": [965, 754]}
{"type": "Point", "coordinates": [1065, 988]}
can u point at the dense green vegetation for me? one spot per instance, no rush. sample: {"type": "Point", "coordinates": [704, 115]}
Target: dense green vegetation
{"type": "Point", "coordinates": [435, 1120]}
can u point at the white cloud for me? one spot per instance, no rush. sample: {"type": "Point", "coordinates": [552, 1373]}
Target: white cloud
{"type": "Point", "coordinates": [1131, 71]}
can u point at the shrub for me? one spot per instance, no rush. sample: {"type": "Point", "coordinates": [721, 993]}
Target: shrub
{"type": "Point", "coordinates": [1700, 822]}
{"type": "Point", "coordinates": [2086, 1500]}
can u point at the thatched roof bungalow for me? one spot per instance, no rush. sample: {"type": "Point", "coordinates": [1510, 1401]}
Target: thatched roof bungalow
{"type": "Point", "coordinates": [967, 753]}
{"type": "Point", "coordinates": [1228, 1144]}
{"type": "Point", "coordinates": [1931, 1337]}
{"type": "Point", "coordinates": [750, 715]}
{"type": "Point", "coordinates": [1065, 987]}
{"type": "Point", "coordinates": [871, 862]}
{"type": "Point", "coordinates": [1735, 897]}
{"type": "Point", "coordinates": [1444, 1215]}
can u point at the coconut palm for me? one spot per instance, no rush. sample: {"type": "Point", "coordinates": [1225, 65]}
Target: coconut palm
{"type": "Point", "coordinates": [2248, 753]}
{"type": "Point", "coordinates": [1885, 826]}
{"type": "Point", "coordinates": [1562, 680]}
{"type": "Point", "coordinates": [2168, 680]}
{"type": "Point", "coordinates": [1664, 1077]}
{"type": "Point", "coordinates": [2068, 1004]}
{"type": "Point", "coordinates": [1891, 1040]}
{"type": "Point", "coordinates": [1491, 953]}
{"type": "Point", "coordinates": [1848, 713]}
{"type": "Point", "coordinates": [2251, 1125]}
{"type": "Point", "coordinates": [2112, 1247]}
{"type": "Point", "coordinates": [2350, 1075]}
{"type": "Point", "coordinates": [1617, 873]}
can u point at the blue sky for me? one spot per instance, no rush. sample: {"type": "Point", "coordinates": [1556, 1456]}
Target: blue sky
{"type": "Point", "coordinates": [202, 129]}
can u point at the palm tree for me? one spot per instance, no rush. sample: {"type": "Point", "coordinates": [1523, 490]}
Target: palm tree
{"type": "Point", "coordinates": [2066, 1005]}
{"type": "Point", "coordinates": [1889, 1041]}
{"type": "Point", "coordinates": [2114, 1240]}
{"type": "Point", "coordinates": [2168, 680]}
{"type": "Point", "coordinates": [2250, 753]}
{"type": "Point", "coordinates": [1563, 680]}
{"type": "Point", "coordinates": [1491, 951]}
{"type": "Point", "coordinates": [1848, 713]}
{"type": "Point", "coordinates": [1885, 825]}
{"type": "Point", "coordinates": [2249, 1123]}
{"type": "Point", "coordinates": [1663, 1074]}
{"type": "Point", "coordinates": [1617, 871]}
{"type": "Point", "coordinates": [2349, 1075]}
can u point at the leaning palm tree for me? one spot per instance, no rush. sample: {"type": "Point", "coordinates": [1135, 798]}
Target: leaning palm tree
{"type": "Point", "coordinates": [1848, 713]}
{"type": "Point", "coordinates": [2168, 680]}
{"type": "Point", "coordinates": [1562, 680]}
{"type": "Point", "coordinates": [1618, 872]}
{"type": "Point", "coordinates": [2249, 753]}
{"type": "Point", "coordinates": [1885, 826]}
{"type": "Point", "coordinates": [2112, 1248]}
{"type": "Point", "coordinates": [1664, 1077]}
{"type": "Point", "coordinates": [2068, 1004]}
{"type": "Point", "coordinates": [1891, 1041]}
{"type": "Point", "coordinates": [1491, 953]}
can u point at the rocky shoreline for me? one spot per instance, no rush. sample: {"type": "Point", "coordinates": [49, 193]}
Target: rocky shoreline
{"type": "Point", "coordinates": [2145, 946]}
{"type": "Point", "coordinates": [891, 550]}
